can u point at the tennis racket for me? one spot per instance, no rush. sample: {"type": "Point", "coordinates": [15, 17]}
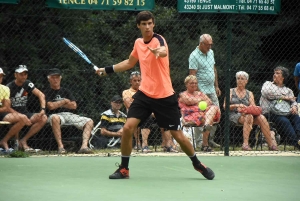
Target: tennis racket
{"type": "Point", "coordinates": [79, 52]}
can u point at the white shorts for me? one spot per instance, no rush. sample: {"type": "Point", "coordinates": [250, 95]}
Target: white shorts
{"type": "Point", "coordinates": [68, 118]}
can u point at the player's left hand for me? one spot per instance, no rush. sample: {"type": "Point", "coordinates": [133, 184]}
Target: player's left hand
{"type": "Point", "coordinates": [155, 51]}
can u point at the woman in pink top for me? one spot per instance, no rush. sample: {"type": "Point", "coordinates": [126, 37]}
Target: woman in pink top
{"type": "Point", "coordinates": [188, 103]}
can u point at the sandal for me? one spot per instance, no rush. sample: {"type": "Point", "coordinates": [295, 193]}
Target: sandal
{"type": "Point", "coordinates": [273, 148]}
{"type": "Point", "coordinates": [170, 149]}
{"type": "Point", "coordinates": [61, 151]}
{"type": "Point", "coordinates": [206, 149]}
{"type": "Point", "coordinates": [29, 150]}
{"type": "Point", "coordinates": [85, 151]}
{"type": "Point", "coordinates": [246, 148]}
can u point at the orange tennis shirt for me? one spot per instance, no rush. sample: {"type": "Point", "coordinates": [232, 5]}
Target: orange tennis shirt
{"type": "Point", "coordinates": [155, 72]}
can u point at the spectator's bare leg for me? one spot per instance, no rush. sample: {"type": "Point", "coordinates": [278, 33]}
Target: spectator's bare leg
{"type": "Point", "coordinates": [57, 130]}
{"type": "Point", "coordinates": [19, 123]}
{"type": "Point", "coordinates": [205, 138]}
{"type": "Point", "coordinates": [248, 122]}
{"type": "Point", "coordinates": [265, 128]}
{"type": "Point", "coordinates": [166, 138]}
{"type": "Point", "coordinates": [184, 142]}
{"type": "Point", "coordinates": [38, 123]}
{"type": "Point", "coordinates": [87, 129]}
{"type": "Point", "coordinates": [145, 134]}
{"type": "Point", "coordinates": [210, 114]}
{"type": "Point", "coordinates": [136, 135]}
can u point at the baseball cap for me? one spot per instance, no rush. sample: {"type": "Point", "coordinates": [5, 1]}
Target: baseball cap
{"type": "Point", "coordinates": [1, 71]}
{"type": "Point", "coordinates": [21, 69]}
{"type": "Point", "coordinates": [116, 98]}
{"type": "Point", "coordinates": [54, 71]}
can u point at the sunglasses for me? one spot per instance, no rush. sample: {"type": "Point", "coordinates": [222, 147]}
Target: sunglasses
{"type": "Point", "coordinates": [118, 102]}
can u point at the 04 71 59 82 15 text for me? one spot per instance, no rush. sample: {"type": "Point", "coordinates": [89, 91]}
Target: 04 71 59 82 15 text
{"type": "Point", "coordinates": [104, 2]}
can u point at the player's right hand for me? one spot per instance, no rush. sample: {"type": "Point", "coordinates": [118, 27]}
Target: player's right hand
{"type": "Point", "coordinates": [100, 72]}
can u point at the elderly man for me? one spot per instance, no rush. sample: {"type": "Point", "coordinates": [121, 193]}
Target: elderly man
{"type": "Point", "coordinates": [8, 114]}
{"type": "Point", "coordinates": [20, 88]}
{"type": "Point", "coordinates": [202, 65]}
{"type": "Point", "coordinates": [61, 104]}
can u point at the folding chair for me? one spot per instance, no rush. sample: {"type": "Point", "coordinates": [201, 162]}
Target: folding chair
{"type": "Point", "coordinates": [111, 142]}
{"type": "Point", "coordinates": [192, 126]}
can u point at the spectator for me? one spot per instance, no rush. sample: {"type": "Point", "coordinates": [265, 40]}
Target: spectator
{"type": "Point", "coordinates": [113, 120]}
{"type": "Point", "coordinates": [17, 120]}
{"type": "Point", "coordinates": [297, 81]}
{"type": "Point", "coordinates": [20, 88]}
{"type": "Point", "coordinates": [188, 103]}
{"type": "Point", "coordinates": [62, 105]}
{"type": "Point", "coordinates": [287, 126]}
{"type": "Point", "coordinates": [134, 80]}
{"type": "Point", "coordinates": [240, 98]}
{"type": "Point", "coordinates": [155, 95]}
{"type": "Point", "coordinates": [202, 65]}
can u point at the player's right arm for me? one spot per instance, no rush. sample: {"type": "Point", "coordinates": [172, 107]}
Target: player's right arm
{"type": "Point", "coordinates": [120, 67]}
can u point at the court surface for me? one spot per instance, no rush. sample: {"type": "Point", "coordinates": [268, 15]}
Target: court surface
{"type": "Point", "coordinates": [259, 178]}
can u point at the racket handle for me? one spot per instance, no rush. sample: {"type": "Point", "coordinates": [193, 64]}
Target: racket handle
{"type": "Point", "coordinates": [96, 68]}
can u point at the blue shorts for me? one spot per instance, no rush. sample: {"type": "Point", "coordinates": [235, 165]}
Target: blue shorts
{"type": "Point", "coordinates": [165, 110]}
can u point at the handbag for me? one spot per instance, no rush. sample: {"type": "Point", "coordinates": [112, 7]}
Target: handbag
{"type": "Point", "coordinates": [280, 107]}
{"type": "Point", "coordinates": [252, 109]}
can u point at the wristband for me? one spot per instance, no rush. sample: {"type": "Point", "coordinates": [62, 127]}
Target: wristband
{"type": "Point", "coordinates": [109, 69]}
{"type": "Point", "coordinates": [42, 108]}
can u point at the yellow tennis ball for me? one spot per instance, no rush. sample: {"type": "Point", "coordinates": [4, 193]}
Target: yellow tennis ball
{"type": "Point", "coordinates": [202, 105]}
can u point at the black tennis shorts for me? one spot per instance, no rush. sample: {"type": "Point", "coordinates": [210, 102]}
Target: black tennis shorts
{"type": "Point", "coordinates": [165, 110]}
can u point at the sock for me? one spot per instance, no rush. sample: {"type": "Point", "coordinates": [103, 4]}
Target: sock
{"type": "Point", "coordinates": [125, 161]}
{"type": "Point", "coordinates": [194, 159]}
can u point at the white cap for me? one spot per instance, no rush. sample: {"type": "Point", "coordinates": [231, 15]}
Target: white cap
{"type": "Point", "coordinates": [1, 71]}
{"type": "Point", "coordinates": [21, 68]}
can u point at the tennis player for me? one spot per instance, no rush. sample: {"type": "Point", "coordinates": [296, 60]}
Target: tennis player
{"type": "Point", "coordinates": [155, 94]}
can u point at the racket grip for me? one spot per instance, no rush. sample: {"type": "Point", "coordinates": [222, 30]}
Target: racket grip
{"type": "Point", "coordinates": [96, 68]}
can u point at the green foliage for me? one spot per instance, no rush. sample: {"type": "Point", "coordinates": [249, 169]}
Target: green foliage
{"type": "Point", "coordinates": [18, 154]}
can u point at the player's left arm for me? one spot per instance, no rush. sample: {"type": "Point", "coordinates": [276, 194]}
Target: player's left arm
{"type": "Point", "coordinates": [159, 52]}
{"type": "Point", "coordinates": [218, 91]}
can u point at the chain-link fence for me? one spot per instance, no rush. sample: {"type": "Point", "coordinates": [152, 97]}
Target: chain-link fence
{"type": "Point", "coordinates": [31, 34]}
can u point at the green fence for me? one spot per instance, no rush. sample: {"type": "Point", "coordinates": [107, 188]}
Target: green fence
{"type": "Point", "coordinates": [31, 34]}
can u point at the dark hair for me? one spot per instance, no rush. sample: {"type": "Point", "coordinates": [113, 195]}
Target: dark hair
{"type": "Point", "coordinates": [144, 16]}
{"type": "Point", "coordinates": [284, 71]}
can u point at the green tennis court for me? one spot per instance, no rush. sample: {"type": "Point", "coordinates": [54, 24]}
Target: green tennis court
{"type": "Point", "coordinates": [152, 178]}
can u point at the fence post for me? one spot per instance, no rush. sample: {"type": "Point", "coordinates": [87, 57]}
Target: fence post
{"type": "Point", "coordinates": [227, 85]}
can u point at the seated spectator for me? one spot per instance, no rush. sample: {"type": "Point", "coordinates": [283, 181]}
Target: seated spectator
{"type": "Point", "coordinates": [112, 120]}
{"type": "Point", "coordinates": [288, 126]}
{"type": "Point", "coordinates": [18, 120]}
{"type": "Point", "coordinates": [240, 98]}
{"type": "Point", "coordinates": [20, 88]}
{"type": "Point", "coordinates": [135, 81]}
{"type": "Point", "coordinates": [61, 105]}
{"type": "Point", "coordinates": [188, 103]}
